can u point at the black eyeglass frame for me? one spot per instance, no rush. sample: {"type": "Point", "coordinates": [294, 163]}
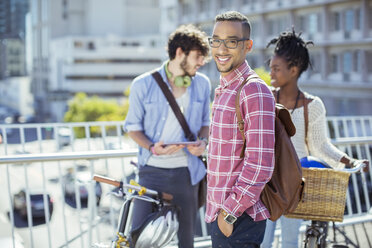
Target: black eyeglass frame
{"type": "Point", "coordinates": [224, 42]}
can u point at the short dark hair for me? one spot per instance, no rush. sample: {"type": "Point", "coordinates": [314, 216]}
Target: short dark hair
{"type": "Point", "coordinates": [293, 49]}
{"type": "Point", "coordinates": [188, 37]}
{"type": "Point", "coordinates": [235, 16]}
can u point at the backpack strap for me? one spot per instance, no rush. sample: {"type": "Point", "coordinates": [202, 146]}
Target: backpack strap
{"type": "Point", "coordinates": [238, 112]}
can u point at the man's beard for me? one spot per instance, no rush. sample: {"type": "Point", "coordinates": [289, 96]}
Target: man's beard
{"type": "Point", "coordinates": [226, 70]}
{"type": "Point", "coordinates": [185, 66]}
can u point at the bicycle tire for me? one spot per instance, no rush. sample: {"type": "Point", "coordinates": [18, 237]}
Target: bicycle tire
{"type": "Point", "coordinates": [311, 242]}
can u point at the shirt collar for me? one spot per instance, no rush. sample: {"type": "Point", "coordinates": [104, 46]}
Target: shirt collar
{"type": "Point", "coordinates": [235, 75]}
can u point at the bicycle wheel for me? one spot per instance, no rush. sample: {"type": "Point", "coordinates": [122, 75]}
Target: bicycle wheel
{"type": "Point", "coordinates": [311, 242]}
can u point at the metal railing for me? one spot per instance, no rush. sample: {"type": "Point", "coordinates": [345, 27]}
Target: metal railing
{"type": "Point", "coordinates": [43, 155]}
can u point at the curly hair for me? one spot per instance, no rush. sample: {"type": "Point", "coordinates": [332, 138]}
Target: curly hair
{"type": "Point", "coordinates": [235, 16]}
{"type": "Point", "coordinates": [293, 49]}
{"type": "Point", "coordinates": [188, 37]}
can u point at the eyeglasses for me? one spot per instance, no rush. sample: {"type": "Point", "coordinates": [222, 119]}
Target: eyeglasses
{"type": "Point", "coordinates": [229, 43]}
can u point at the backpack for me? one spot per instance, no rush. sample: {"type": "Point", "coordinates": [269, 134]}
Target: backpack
{"type": "Point", "coordinates": [284, 191]}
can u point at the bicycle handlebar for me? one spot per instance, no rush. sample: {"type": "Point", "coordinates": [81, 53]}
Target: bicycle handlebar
{"type": "Point", "coordinates": [116, 183]}
{"type": "Point", "coordinates": [360, 165]}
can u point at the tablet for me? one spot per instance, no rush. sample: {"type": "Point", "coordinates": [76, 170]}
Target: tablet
{"type": "Point", "coordinates": [181, 143]}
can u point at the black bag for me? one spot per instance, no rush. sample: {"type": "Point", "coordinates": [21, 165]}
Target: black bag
{"type": "Point", "coordinates": [284, 191]}
{"type": "Point", "coordinates": [202, 190]}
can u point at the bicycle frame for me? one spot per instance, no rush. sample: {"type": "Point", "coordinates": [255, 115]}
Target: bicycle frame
{"type": "Point", "coordinates": [130, 192]}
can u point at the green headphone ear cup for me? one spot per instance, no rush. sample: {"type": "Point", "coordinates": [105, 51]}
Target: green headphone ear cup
{"type": "Point", "coordinates": [187, 81]}
{"type": "Point", "coordinates": [178, 81]}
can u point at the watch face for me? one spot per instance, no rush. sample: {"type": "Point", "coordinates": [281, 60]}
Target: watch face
{"type": "Point", "coordinates": [230, 219]}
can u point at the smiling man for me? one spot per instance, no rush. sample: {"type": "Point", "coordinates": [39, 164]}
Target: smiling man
{"type": "Point", "coordinates": [235, 183]}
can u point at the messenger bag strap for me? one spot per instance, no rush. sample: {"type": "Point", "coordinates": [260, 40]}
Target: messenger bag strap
{"type": "Point", "coordinates": [173, 103]}
{"type": "Point", "coordinates": [239, 114]}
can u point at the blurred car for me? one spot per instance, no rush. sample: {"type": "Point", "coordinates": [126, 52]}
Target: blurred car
{"type": "Point", "coordinates": [37, 204]}
{"type": "Point", "coordinates": [64, 136]}
{"type": "Point", "coordinates": [83, 180]}
{"type": "Point", "coordinates": [113, 146]}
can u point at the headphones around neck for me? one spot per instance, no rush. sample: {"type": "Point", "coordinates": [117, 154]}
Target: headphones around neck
{"type": "Point", "coordinates": [179, 81]}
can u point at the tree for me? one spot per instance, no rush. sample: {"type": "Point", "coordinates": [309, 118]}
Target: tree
{"type": "Point", "coordinates": [84, 109]}
{"type": "Point", "coordinates": [265, 75]}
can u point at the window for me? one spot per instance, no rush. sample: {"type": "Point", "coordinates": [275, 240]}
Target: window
{"type": "Point", "coordinates": [313, 24]}
{"type": "Point", "coordinates": [347, 62]}
{"type": "Point", "coordinates": [334, 63]}
{"type": "Point", "coordinates": [356, 61]}
{"type": "Point", "coordinates": [271, 27]}
{"type": "Point", "coordinates": [254, 29]}
{"type": "Point", "coordinates": [369, 16]}
{"type": "Point", "coordinates": [358, 19]}
{"type": "Point", "coordinates": [315, 60]}
{"type": "Point", "coordinates": [369, 61]}
{"type": "Point", "coordinates": [275, 26]}
{"type": "Point", "coordinates": [349, 20]}
{"type": "Point", "coordinates": [299, 23]}
{"type": "Point", "coordinates": [335, 21]}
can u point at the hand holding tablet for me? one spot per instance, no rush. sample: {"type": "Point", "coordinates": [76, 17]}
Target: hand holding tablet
{"type": "Point", "coordinates": [181, 143]}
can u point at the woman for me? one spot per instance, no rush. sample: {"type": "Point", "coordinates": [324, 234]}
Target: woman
{"type": "Point", "coordinates": [290, 59]}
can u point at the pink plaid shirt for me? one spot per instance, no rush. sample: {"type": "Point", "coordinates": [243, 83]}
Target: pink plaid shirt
{"type": "Point", "coordinates": [235, 184]}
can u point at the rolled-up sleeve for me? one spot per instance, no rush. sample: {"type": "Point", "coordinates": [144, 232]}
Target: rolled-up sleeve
{"type": "Point", "coordinates": [134, 119]}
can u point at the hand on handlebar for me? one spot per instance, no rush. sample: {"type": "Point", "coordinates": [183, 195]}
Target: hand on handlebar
{"type": "Point", "coordinates": [138, 188]}
{"type": "Point", "coordinates": [364, 161]}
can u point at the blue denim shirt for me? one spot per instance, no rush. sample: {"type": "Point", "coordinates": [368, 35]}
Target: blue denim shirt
{"type": "Point", "coordinates": [148, 110]}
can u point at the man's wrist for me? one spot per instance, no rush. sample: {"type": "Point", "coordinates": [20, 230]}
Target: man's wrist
{"type": "Point", "coordinates": [152, 149]}
{"type": "Point", "coordinates": [205, 139]}
{"type": "Point", "coordinates": [150, 146]}
{"type": "Point", "coordinates": [228, 218]}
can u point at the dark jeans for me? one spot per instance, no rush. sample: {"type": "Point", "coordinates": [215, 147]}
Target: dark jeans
{"type": "Point", "coordinates": [246, 234]}
{"type": "Point", "coordinates": [176, 182]}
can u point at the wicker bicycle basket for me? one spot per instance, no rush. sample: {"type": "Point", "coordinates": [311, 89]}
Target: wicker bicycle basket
{"type": "Point", "coordinates": [324, 195]}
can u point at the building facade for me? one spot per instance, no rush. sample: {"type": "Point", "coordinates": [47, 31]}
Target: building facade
{"type": "Point", "coordinates": [340, 29]}
{"type": "Point", "coordinates": [90, 46]}
{"type": "Point", "coordinates": [15, 93]}
{"type": "Point", "coordinates": [12, 37]}
{"type": "Point", "coordinates": [102, 66]}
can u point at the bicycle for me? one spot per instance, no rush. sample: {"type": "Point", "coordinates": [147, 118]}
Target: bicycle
{"type": "Point", "coordinates": [323, 202]}
{"type": "Point", "coordinates": [157, 231]}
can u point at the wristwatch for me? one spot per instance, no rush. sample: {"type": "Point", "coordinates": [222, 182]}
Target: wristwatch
{"type": "Point", "coordinates": [205, 139]}
{"type": "Point", "coordinates": [229, 218]}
